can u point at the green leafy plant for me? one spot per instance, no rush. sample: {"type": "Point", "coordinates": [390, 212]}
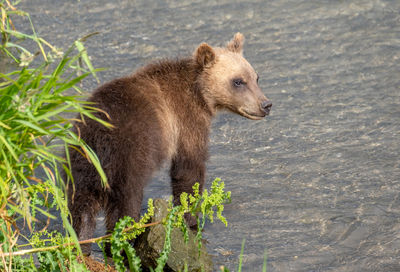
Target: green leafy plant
{"type": "Point", "coordinates": [32, 132]}
{"type": "Point", "coordinates": [202, 205]}
{"type": "Point", "coordinates": [125, 230]}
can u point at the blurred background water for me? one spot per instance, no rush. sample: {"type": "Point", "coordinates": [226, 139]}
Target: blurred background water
{"type": "Point", "coordinates": [316, 184]}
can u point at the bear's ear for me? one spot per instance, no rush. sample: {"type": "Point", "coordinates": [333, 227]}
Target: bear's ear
{"type": "Point", "coordinates": [236, 44]}
{"type": "Point", "coordinates": [204, 55]}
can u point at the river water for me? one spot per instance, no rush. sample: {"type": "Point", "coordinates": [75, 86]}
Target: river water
{"type": "Point", "coordinates": [316, 185]}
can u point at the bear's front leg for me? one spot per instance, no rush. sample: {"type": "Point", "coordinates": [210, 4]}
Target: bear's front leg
{"type": "Point", "coordinates": [185, 172]}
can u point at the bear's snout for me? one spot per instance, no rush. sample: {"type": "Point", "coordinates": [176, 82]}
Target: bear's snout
{"type": "Point", "coordinates": [266, 106]}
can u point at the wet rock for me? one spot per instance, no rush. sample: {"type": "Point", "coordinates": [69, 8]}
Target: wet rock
{"type": "Point", "coordinates": [150, 244]}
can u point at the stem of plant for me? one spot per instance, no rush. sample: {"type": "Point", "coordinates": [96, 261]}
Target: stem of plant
{"type": "Point", "coordinates": [88, 241]}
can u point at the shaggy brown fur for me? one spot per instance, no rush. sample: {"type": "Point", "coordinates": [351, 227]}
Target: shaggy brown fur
{"type": "Point", "coordinates": [161, 113]}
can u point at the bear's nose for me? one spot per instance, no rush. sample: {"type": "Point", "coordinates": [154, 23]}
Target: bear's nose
{"type": "Point", "coordinates": [266, 106]}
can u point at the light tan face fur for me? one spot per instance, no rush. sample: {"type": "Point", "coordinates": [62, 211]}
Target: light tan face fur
{"type": "Point", "coordinates": [232, 82]}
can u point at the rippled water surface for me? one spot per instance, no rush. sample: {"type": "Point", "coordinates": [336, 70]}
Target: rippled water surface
{"type": "Point", "coordinates": [316, 185]}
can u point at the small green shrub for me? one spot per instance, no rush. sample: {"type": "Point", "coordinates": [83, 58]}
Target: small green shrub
{"type": "Point", "coordinates": [201, 205]}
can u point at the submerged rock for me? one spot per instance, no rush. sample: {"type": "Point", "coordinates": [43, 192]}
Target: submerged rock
{"type": "Point", "coordinates": [150, 244]}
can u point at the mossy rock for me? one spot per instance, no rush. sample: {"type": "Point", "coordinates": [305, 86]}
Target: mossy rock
{"type": "Point", "coordinates": [149, 245]}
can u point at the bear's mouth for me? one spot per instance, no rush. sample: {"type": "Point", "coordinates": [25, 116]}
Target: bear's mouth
{"type": "Point", "coordinates": [250, 115]}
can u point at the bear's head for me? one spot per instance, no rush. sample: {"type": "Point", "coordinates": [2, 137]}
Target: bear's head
{"type": "Point", "coordinates": [228, 81]}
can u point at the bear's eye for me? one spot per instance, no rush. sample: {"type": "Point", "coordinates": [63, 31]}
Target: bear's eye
{"type": "Point", "coordinates": [238, 82]}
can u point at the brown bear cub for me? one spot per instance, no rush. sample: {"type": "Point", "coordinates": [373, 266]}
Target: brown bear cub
{"type": "Point", "coordinates": [160, 113]}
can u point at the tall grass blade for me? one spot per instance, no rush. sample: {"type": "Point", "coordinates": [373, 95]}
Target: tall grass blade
{"type": "Point", "coordinates": [241, 256]}
{"type": "Point", "coordinates": [10, 149]}
{"type": "Point", "coordinates": [35, 127]}
{"type": "Point", "coordinates": [265, 262]}
{"type": "Point", "coordinates": [85, 57]}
